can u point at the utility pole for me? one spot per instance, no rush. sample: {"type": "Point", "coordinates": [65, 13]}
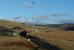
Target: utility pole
{"type": "Point", "coordinates": [31, 8]}
{"type": "Point", "coordinates": [33, 20]}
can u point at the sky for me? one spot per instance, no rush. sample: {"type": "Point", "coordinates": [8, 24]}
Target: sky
{"type": "Point", "coordinates": [38, 11]}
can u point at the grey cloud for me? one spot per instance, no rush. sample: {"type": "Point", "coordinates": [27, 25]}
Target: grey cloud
{"type": "Point", "coordinates": [18, 17]}
{"type": "Point", "coordinates": [43, 17]}
{"type": "Point", "coordinates": [28, 5]}
{"type": "Point", "coordinates": [59, 14]}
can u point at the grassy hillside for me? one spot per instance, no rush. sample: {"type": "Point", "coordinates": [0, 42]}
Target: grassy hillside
{"type": "Point", "coordinates": [61, 39]}
{"type": "Point", "coordinates": [12, 24]}
{"type": "Point", "coordinates": [17, 42]}
{"type": "Point", "coordinates": [10, 43]}
{"type": "Point", "coordinates": [57, 25]}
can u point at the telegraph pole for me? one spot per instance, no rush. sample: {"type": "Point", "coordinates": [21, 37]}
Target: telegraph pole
{"type": "Point", "coordinates": [33, 28]}
{"type": "Point", "coordinates": [31, 8]}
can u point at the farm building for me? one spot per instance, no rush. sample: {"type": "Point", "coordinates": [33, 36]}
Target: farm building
{"type": "Point", "coordinates": [6, 32]}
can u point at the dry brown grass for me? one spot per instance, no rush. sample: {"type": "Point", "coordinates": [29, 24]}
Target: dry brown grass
{"type": "Point", "coordinates": [62, 39]}
{"type": "Point", "coordinates": [16, 43]}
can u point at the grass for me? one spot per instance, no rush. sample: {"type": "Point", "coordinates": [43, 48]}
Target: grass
{"type": "Point", "coordinates": [62, 39]}
{"type": "Point", "coordinates": [14, 43]}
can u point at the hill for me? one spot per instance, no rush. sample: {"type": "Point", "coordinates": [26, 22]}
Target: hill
{"type": "Point", "coordinates": [15, 42]}
{"type": "Point", "coordinates": [48, 33]}
{"type": "Point", "coordinates": [57, 25]}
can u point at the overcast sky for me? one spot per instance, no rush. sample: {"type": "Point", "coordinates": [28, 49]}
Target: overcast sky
{"type": "Point", "coordinates": [42, 11]}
